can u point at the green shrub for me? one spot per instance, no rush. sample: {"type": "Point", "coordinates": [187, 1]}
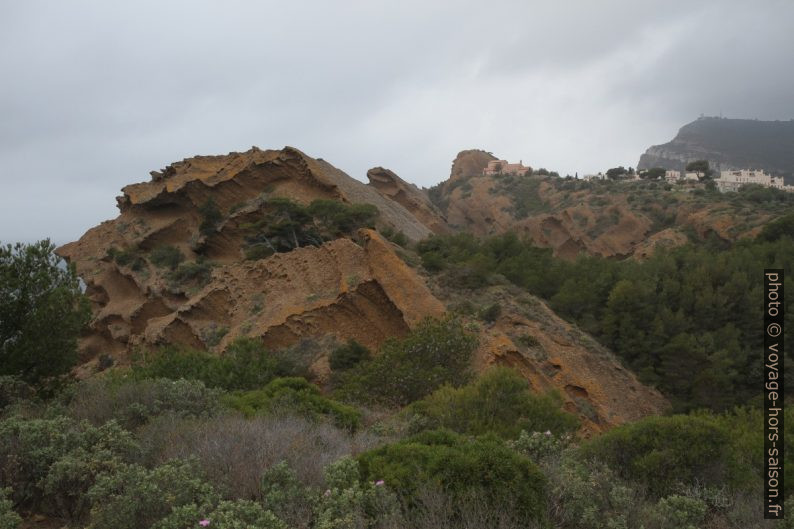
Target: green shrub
{"type": "Point", "coordinates": [244, 365]}
{"type": "Point", "coordinates": [437, 352]}
{"type": "Point", "coordinates": [285, 496]}
{"type": "Point", "coordinates": [350, 501]}
{"type": "Point", "coordinates": [13, 391]}
{"type": "Point", "coordinates": [130, 257]}
{"type": "Point", "coordinates": [540, 446]}
{"type": "Point", "coordinates": [237, 514]}
{"type": "Point", "coordinates": [8, 518]}
{"type": "Point", "coordinates": [42, 311]}
{"type": "Point", "coordinates": [135, 402]}
{"type": "Point", "coordinates": [211, 217]}
{"type": "Point", "coordinates": [681, 512]}
{"type": "Point", "coordinates": [51, 463]}
{"type": "Point", "coordinates": [348, 355]}
{"type": "Point", "coordinates": [485, 467]}
{"type": "Point", "coordinates": [166, 257]}
{"type": "Point", "coordinates": [294, 395]}
{"type": "Point", "coordinates": [781, 227]}
{"type": "Point", "coordinates": [528, 340]}
{"type": "Point", "coordinates": [661, 452]}
{"type": "Point", "coordinates": [499, 402]}
{"type": "Point", "coordinates": [339, 218]}
{"type": "Point", "coordinates": [134, 497]}
{"type": "Point", "coordinates": [212, 334]}
{"type": "Point", "coordinates": [590, 495]}
{"type": "Point", "coordinates": [258, 251]}
{"type": "Point", "coordinates": [491, 313]}
{"type": "Point", "coordinates": [197, 274]}
{"type": "Point", "coordinates": [286, 225]}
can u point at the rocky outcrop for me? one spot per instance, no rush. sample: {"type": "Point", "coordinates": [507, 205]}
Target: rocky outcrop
{"type": "Point", "coordinates": [728, 144]}
{"type": "Point", "coordinates": [415, 200]}
{"type": "Point", "coordinates": [353, 286]}
{"type": "Point", "coordinates": [554, 355]}
{"type": "Point", "coordinates": [470, 163]}
{"type": "Point", "coordinates": [345, 288]}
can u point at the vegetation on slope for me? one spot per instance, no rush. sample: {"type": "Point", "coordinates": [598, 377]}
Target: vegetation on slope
{"type": "Point", "coordinates": [685, 320]}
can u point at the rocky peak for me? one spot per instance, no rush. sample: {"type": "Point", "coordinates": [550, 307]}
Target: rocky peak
{"type": "Point", "coordinates": [409, 196]}
{"type": "Point", "coordinates": [470, 163]}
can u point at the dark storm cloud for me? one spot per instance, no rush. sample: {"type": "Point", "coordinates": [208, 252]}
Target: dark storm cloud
{"type": "Point", "coordinates": [96, 94]}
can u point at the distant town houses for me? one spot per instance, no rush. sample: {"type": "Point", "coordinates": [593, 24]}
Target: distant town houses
{"type": "Point", "coordinates": [504, 167]}
{"type": "Point", "coordinates": [735, 179]}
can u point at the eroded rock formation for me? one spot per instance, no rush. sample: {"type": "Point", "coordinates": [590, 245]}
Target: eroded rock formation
{"type": "Point", "coordinates": [351, 286]}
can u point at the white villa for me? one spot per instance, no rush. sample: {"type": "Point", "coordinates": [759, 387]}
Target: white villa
{"type": "Point", "coordinates": [733, 180]}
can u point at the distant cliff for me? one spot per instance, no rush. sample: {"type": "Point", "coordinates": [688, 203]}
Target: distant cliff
{"type": "Point", "coordinates": [728, 144]}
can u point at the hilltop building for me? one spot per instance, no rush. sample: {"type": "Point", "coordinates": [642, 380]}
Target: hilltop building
{"type": "Point", "coordinates": [735, 179]}
{"type": "Point", "coordinates": [503, 167]}
{"type": "Point", "coordinates": [588, 177]}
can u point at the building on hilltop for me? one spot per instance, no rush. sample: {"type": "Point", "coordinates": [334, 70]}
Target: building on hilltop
{"type": "Point", "coordinates": [503, 167]}
{"type": "Point", "coordinates": [588, 177]}
{"type": "Point", "coordinates": [735, 179]}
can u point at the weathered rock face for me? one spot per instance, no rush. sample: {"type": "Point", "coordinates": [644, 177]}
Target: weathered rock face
{"type": "Point", "coordinates": [350, 287]}
{"type": "Point", "coordinates": [568, 224]}
{"type": "Point", "coordinates": [409, 196]}
{"type": "Point", "coordinates": [553, 355]}
{"type": "Point", "coordinates": [470, 163]}
{"type": "Point", "coordinates": [341, 288]}
{"type": "Point", "coordinates": [728, 144]}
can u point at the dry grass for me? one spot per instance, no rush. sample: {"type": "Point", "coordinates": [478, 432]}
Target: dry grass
{"type": "Point", "coordinates": [234, 451]}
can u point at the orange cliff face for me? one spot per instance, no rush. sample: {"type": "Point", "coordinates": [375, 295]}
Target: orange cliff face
{"type": "Point", "coordinates": [351, 287]}
{"type": "Point", "coordinates": [337, 288]}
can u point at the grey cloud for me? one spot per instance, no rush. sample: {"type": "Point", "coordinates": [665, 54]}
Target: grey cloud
{"type": "Point", "coordinates": [95, 94]}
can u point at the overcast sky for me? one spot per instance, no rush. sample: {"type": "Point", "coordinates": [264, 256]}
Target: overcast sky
{"type": "Point", "coordinates": [95, 94]}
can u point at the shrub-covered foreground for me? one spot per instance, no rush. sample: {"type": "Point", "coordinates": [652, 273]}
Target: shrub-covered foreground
{"type": "Point", "coordinates": [158, 453]}
{"type": "Point", "coordinates": [185, 440]}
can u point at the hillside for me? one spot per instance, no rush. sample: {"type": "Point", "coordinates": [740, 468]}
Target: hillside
{"type": "Point", "coordinates": [276, 345]}
{"type": "Point", "coordinates": [612, 219]}
{"type": "Point", "coordinates": [728, 144]}
{"type": "Point", "coordinates": [278, 246]}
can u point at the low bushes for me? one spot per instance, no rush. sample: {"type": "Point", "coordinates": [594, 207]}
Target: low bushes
{"type": "Point", "coordinates": [135, 497]}
{"type": "Point", "coordinates": [437, 352]}
{"type": "Point", "coordinates": [294, 395]}
{"type": "Point", "coordinates": [348, 355]}
{"type": "Point", "coordinates": [196, 274]}
{"type": "Point", "coordinates": [166, 257]}
{"type": "Point", "coordinates": [499, 402]}
{"type": "Point", "coordinates": [135, 402]}
{"type": "Point", "coordinates": [244, 365]}
{"type": "Point", "coordinates": [51, 463]}
{"type": "Point", "coordinates": [234, 452]}
{"type": "Point", "coordinates": [661, 452]}
{"type": "Point", "coordinates": [8, 518]}
{"type": "Point", "coordinates": [284, 225]}
{"type": "Point", "coordinates": [483, 467]}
